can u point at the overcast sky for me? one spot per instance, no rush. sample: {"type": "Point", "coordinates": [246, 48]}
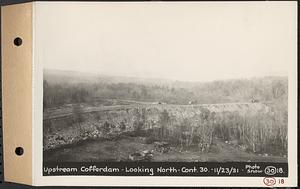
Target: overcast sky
{"type": "Point", "coordinates": [182, 41]}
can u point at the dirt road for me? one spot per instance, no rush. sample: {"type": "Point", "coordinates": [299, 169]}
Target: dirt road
{"type": "Point", "coordinates": [68, 110]}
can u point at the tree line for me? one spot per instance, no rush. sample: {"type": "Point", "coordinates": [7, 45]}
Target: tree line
{"type": "Point", "coordinates": [240, 90]}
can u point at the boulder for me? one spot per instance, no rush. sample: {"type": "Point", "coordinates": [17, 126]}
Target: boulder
{"type": "Point", "coordinates": [162, 147]}
{"type": "Point", "coordinates": [145, 155]}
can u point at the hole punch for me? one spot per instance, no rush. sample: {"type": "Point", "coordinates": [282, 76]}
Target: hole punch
{"type": "Point", "coordinates": [19, 151]}
{"type": "Point", "coordinates": [18, 41]}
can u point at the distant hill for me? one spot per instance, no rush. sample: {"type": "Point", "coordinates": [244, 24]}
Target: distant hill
{"type": "Point", "coordinates": [62, 87]}
{"type": "Point", "coordinates": [58, 76]}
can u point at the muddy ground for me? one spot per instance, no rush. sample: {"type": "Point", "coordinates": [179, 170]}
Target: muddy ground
{"type": "Point", "coordinates": [100, 150]}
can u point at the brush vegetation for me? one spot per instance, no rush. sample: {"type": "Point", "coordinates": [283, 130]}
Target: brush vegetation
{"type": "Point", "coordinates": [220, 109]}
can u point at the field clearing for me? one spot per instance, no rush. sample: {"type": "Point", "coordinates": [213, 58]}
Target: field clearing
{"type": "Point", "coordinates": [67, 110]}
{"type": "Point", "coordinates": [118, 150]}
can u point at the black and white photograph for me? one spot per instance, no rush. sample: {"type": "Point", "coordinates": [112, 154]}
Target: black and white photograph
{"type": "Point", "coordinates": [165, 83]}
{"type": "Point", "coordinates": [150, 94]}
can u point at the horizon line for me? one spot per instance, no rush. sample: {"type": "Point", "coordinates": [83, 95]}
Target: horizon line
{"type": "Point", "coordinates": [160, 78]}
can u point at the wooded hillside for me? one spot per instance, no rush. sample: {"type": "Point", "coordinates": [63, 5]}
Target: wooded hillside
{"type": "Point", "coordinates": [71, 87]}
